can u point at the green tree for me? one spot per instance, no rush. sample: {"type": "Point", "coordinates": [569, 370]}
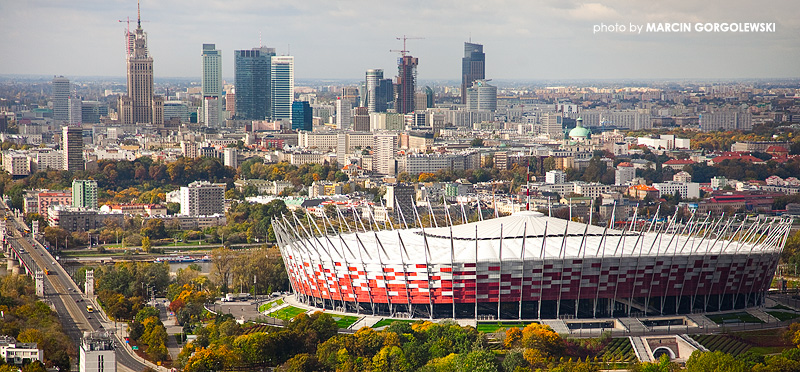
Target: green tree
{"type": "Point", "coordinates": [714, 361]}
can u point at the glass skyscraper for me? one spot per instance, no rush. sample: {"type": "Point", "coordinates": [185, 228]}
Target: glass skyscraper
{"type": "Point", "coordinates": [282, 87]}
{"type": "Point", "coordinates": [302, 116]}
{"type": "Point", "coordinates": [253, 83]}
{"type": "Point", "coordinates": [473, 67]}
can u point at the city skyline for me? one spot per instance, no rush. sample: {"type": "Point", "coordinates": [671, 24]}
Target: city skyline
{"type": "Point", "coordinates": [541, 40]}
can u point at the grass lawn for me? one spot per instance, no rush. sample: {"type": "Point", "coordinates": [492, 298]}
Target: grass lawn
{"type": "Point", "coordinates": [490, 327]}
{"type": "Point", "coordinates": [386, 322]}
{"type": "Point", "coordinates": [781, 307]}
{"type": "Point", "coordinates": [270, 305]}
{"type": "Point", "coordinates": [782, 315]}
{"type": "Point", "coordinates": [344, 321]}
{"type": "Point", "coordinates": [732, 318]}
{"type": "Point", "coordinates": [287, 313]}
{"type": "Point", "coordinates": [767, 350]}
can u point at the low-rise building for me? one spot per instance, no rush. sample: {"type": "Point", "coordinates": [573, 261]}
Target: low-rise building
{"type": "Point", "coordinates": [16, 163]}
{"type": "Point", "coordinates": [687, 190]}
{"type": "Point", "coordinates": [19, 353]}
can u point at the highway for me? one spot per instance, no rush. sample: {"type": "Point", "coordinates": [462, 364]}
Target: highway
{"type": "Point", "coordinates": [67, 298]}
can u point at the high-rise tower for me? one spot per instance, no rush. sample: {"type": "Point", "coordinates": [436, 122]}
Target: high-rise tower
{"type": "Point", "coordinates": [212, 84]}
{"type": "Point", "coordinates": [253, 83]}
{"type": "Point", "coordinates": [406, 83]}
{"type": "Point", "coordinates": [282, 87]}
{"type": "Point", "coordinates": [473, 67]}
{"type": "Point", "coordinates": [139, 105]}
{"type": "Point", "coordinates": [61, 91]}
{"type": "Point", "coordinates": [72, 146]}
{"type": "Point", "coordinates": [379, 91]}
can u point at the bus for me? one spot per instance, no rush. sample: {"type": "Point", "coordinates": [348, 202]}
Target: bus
{"type": "Point", "coordinates": [89, 309]}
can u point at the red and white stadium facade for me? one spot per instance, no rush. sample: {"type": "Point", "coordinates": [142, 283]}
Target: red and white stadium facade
{"type": "Point", "coordinates": [529, 266]}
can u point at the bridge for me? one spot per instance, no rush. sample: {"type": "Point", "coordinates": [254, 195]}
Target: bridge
{"type": "Point", "coordinates": [25, 255]}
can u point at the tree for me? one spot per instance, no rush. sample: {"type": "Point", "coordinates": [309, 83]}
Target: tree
{"type": "Point", "coordinates": [146, 246]}
{"type": "Point", "coordinates": [477, 142]}
{"type": "Point", "coordinates": [221, 265]}
{"type": "Point", "coordinates": [714, 361]}
{"type": "Point", "coordinates": [56, 236]}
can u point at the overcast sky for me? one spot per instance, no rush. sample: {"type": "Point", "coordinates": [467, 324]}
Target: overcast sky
{"type": "Point", "coordinates": [523, 39]}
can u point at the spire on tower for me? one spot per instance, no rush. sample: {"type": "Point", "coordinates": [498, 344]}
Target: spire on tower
{"type": "Point", "coordinates": [138, 15]}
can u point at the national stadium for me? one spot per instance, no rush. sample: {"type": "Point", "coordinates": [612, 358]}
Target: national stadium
{"type": "Point", "coordinates": [529, 266]}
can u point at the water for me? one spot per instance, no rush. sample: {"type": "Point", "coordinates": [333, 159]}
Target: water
{"type": "Point", "coordinates": [205, 267]}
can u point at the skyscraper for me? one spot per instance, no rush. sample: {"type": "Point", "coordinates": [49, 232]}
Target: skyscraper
{"type": "Point", "coordinates": [473, 67]}
{"type": "Point", "coordinates": [72, 145]}
{"type": "Point", "coordinates": [406, 83]}
{"type": "Point", "coordinates": [378, 92]}
{"type": "Point", "coordinates": [212, 84]}
{"type": "Point", "coordinates": [252, 79]}
{"type": "Point", "coordinates": [282, 87]}
{"type": "Point", "coordinates": [61, 91]}
{"type": "Point", "coordinates": [302, 116]}
{"type": "Point", "coordinates": [139, 106]}
{"type": "Point", "coordinates": [84, 194]}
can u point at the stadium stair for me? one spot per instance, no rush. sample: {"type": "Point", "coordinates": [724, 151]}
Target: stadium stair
{"type": "Point", "coordinates": [702, 321]}
{"type": "Point", "coordinates": [557, 325]}
{"type": "Point", "coordinates": [761, 314]}
{"type": "Point", "coordinates": [633, 325]}
{"type": "Point", "coordinates": [640, 349]}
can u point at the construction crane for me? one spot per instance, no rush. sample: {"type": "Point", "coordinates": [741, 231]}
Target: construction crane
{"type": "Point", "coordinates": [128, 29]}
{"type": "Point", "coordinates": [404, 50]}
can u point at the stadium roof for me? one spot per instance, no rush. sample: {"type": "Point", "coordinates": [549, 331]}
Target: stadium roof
{"type": "Point", "coordinates": [523, 236]}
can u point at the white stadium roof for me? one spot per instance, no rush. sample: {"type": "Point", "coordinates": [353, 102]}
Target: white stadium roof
{"type": "Point", "coordinates": [482, 240]}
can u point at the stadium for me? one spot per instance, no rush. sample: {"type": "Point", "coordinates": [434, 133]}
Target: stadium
{"type": "Point", "coordinates": [529, 266]}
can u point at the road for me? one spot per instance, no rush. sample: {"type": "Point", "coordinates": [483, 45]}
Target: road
{"type": "Point", "coordinates": [66, 297]}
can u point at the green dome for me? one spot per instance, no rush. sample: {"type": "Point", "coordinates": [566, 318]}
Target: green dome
{"type": "Point", "coordinates": [580, 132]}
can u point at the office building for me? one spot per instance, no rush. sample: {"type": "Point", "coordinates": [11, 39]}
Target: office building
{"type": "Point", "coordinates": [61, 93]}
{"type": "Point", "coordinates": [212, 85]}
{"type": "Point", "coordinates": [252, 80]}
{"type": "Point", "coordinates": [212, 111]}
{"type": "Point", "coordinates": [361, 120]}
{"type": "Point", "coordinates": [624, 173]}
{"type": "Point", "coordinates": [406, 84]}
{"type": "Point", "coordinates": [473, 67]}
{"type": "Point", "coordinates": [97, 352]}
{"type": "Point", "coordinates": [202, 198]}
{"type": "Point", "coordinates": [92, 111]}
{"type": "Point", "coordinates": [84, 194]}
{"type": "Point", "coordinates": [302, 116]}
{"type": "Point", "coordinates": [343, 113]}
{"type": "Point", "coordinates": [385, 149]}
{"type": "Point", "coordinates": [379, 91]}
{"type": "Point", "coordinates": [481, 96]}
{"type": "Point", "coordinates": [726, 120]}
{"type": "Point", "coordinates": [230, 157]}
{"type": "Point", "coordinates": [400, 199]}
{"type": "Point", "coordinates": [75, 111]}
{"type": "Point", "coordinates": [72, 145]}
{"type": "Point", "coordinates": [282, 87]}
{"type": "Point", "coordinates": [555, 177]}
{"type": "Point", "coordinates": [552, 125]}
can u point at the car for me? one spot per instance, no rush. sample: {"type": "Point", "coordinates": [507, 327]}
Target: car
{"type": "Point", "coordinates": [88, 317]}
